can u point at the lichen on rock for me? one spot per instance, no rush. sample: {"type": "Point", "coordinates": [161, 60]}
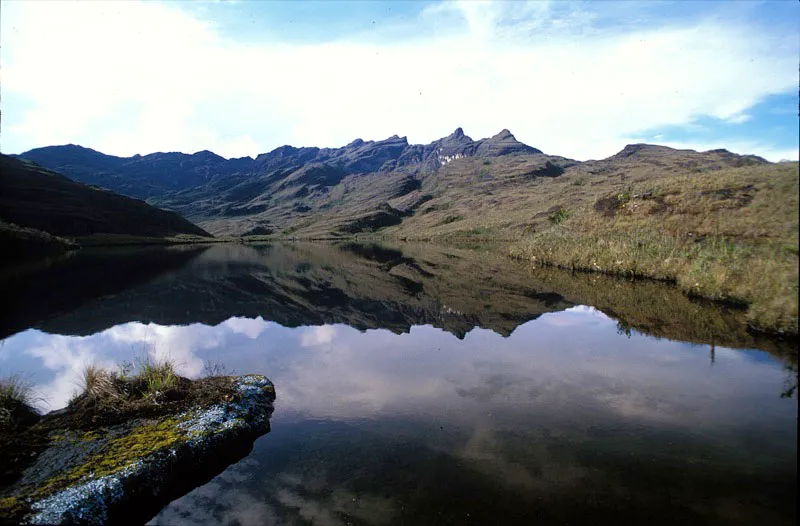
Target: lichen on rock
{"type": "Point", "coordinates": [134, 468]}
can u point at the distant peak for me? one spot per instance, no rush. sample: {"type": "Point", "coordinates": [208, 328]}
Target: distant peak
{"type": "Point", "coordinates": [457, 137]}
{"type": "Point", "coordinates": [396, 138]}
{"type": "Point", "coordinates": [634, 149]}
{"type": "Point", "coordinates": [207, 154]}
{"type": "Point", "coordinates": [71, 146]}
{"type": "Point", "coordinates": [355, 143]}
{"type": "Point", "coordinates": [504, 135]}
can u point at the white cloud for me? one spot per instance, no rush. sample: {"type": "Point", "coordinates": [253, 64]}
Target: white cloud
{"type": "Point", "coordinates": [177, 343]}
{"type": "Point", "coordinates": [135, 77]}
{"type": "Point", "coordinates": [313, 336]}
{"type": "Point", "coordinates": [67, 357]}
{"type": "Point", "coordinates": [250, 327]}
{"type": "Point", "coordinates": [740, 118]}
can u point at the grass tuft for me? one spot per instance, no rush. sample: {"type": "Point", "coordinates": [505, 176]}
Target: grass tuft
{"type": "Point", "coordinates": [142, 380]}
{"type": "Point", "coordinates": [17, 399]}
{"type": "Point", "coordinates": [157, 376]}
{"type": "Point", "coordinates": [14, 390]}
{"type": "Point", "coordinates": [100, 383]}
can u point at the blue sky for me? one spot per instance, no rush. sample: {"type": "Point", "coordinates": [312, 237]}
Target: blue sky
{"type": "Point", "coordinates": [579, 79]}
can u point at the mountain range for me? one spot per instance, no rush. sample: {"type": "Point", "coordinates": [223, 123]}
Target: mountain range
{"type": "Point", "coordinates": [361, 187]}
{"type": "Point", "coordinates": [707, 221]}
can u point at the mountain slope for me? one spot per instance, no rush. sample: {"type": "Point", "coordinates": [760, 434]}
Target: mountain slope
{"type": "Point", "coordinates": [285, 190]}
{"type": "Point", "coordinates": [33, 197]}
{"type": "Point", "coordinates": [452, 185]}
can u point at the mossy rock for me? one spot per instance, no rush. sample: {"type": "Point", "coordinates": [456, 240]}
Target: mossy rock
{"type": "Point", "coordinates": [129, 471]}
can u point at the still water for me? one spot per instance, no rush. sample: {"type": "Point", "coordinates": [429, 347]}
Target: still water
{"type": "Point", "coordinates": [423, 385]}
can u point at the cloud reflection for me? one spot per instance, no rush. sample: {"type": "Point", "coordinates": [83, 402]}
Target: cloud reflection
{"type": "Point", "coordinates": [514, 411]}
{"type": "Point", "coordinates": [335, 371]}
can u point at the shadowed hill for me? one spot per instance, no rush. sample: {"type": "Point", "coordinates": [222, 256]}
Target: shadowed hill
{"type": "Point", "coordinates": [33, 197]}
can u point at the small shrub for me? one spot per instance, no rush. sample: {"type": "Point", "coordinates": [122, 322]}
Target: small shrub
{"type": "Point", "coordinates": [559, 216]}
{"type": "Point", "coordinates": [478, 231]}
{"type": "Point", "coordinates": [451, 219]}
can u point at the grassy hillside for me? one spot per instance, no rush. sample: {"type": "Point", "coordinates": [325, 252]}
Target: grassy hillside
{"type": "Point", "coordinates": [728, 235]}
{"type": "Point", "coordinates": [33, 197]}
{"type": "Point", "coordinates": [720, 226]}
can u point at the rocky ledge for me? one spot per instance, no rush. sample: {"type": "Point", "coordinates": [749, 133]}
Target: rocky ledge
{"type": "Point", "coordinates": [128, 471]}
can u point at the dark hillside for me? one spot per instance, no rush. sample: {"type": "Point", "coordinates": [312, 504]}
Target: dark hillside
{"type": "Point", "coordinates": [33, 197]}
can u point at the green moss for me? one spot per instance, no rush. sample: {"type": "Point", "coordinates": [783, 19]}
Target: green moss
{"type": "Point", "coordinates": [90, 436]}
{"type": "Point", "coordinates": [119, 453]}
{"type": "Point", "coordinates": [9, 505]}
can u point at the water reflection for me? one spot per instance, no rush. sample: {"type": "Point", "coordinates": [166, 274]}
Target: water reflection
{"type": "Point", "coordinates": [375, 427]}
{"type": "Point", "coordinates": [484, 394]}
{"type": "Point", "coordinates": [365, 287]}
{"type": "Point", "coordinates": [336, 371]}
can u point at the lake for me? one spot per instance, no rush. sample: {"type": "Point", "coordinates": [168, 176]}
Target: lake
{"type": "Point", "coordinates": [419, 384]}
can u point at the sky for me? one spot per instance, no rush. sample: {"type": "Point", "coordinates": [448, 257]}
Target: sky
{"type": "Point", "coordinates": [578, 79]}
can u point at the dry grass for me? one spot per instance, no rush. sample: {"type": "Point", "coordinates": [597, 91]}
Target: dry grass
{"type": "Point", "coordinates": [718, 230]}
{"type": "Point", "coordinates": [112, 390]}
{"type": "Point", "coordinates": [14, 390]}
{"type": "Point", "coordinates": [17, 399]}
{"type": "Point", "coordinates": [100, 383]}
{"type": "Point", "coordinates": [728, 235]}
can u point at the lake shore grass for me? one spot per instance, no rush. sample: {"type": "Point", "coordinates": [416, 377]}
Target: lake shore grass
{"type": "Point", "coordinates": [762, 278]}
{"type": "Point", "coordinates": [729, 236]}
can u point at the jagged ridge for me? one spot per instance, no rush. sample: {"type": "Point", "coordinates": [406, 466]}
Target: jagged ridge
{"type": "Point", "coordinates": [363, 186]}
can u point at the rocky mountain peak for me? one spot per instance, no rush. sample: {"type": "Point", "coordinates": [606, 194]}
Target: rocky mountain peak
{"type": "Point", "coordinates": [209, 156]}
{"type": "Point", "coordinates": [503, 143]}
{"type": "Point", "coordinates": [504, 135]}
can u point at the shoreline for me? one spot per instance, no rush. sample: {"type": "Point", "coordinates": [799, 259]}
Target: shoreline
{"type": "Point", "coordinates": [764, 321]}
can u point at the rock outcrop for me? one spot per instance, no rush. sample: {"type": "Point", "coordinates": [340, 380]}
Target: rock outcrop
{"type": "Point", "coordinates": [125, 473]}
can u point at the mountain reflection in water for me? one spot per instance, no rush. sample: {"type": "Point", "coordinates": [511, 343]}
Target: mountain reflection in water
{"type": "Point", "coordinates": [423, 385]}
